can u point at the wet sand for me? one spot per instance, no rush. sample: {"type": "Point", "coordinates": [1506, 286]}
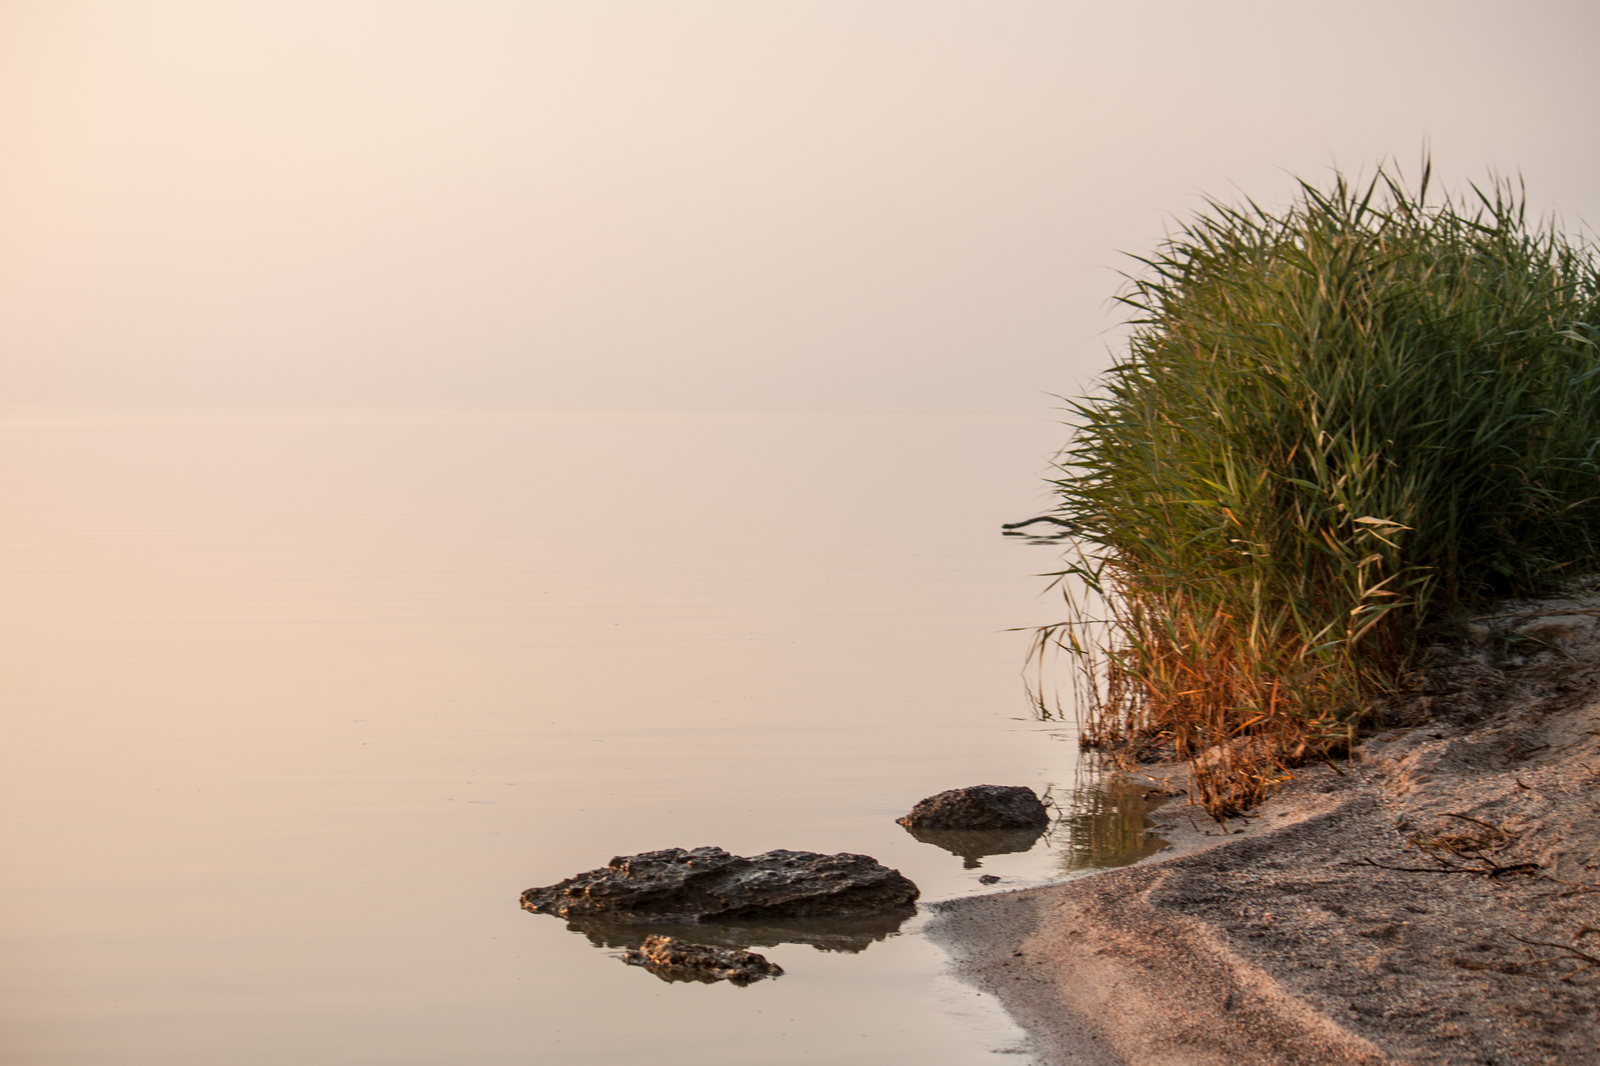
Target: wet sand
{"type": "Point", "coordinates": [1431, 901]}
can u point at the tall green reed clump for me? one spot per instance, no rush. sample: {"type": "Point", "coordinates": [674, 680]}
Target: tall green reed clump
{"type": "Point", "coordinates": [1334, 424]}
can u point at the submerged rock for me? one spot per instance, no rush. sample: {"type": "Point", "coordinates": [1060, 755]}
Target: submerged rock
{"type": "Point", "coordinates": [710, 884]}
{"type": "Point", "coordinates": [979, 807]}
{"type": "Point", "coordinates": [672, 959]}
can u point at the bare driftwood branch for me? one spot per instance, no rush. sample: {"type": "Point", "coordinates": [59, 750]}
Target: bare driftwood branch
{"type": "Point", "coordinates": [1491, 871]}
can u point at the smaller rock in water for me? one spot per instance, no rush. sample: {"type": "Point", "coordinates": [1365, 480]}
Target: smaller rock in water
{"type": "Point", "coordinates": [979, 807]}
{"type": "Point", "coordinates": [672, 959]}
{"type": "Point", "coordinates": [988, 879]}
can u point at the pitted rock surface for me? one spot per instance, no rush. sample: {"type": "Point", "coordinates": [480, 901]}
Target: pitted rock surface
{"type": "Point", "coordinates": [672, 959]}
{"type": "Point", "coordinates": [709, 883]}
{"type": "Point", "coordinates": [979, 807]}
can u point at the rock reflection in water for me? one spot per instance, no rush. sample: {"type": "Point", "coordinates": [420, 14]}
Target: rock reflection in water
{"type": "Point", "coordinates": [1104, 825]}
{"type": "Point", "coordinates": [973, 844]}
{"type": "Point", "coordinates": [852, 934]}
{"type": "Point", "coordinates": [1100, 824]}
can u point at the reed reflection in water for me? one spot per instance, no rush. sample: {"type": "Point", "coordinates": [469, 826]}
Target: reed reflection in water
{"type": "Point", "coordinates": [1105, 824]}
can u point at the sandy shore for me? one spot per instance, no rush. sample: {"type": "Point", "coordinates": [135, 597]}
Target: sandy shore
{"type": "Point", "coordinates": [1377, 912]}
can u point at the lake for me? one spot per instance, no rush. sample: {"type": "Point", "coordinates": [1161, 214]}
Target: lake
{"type": "Point", "coordinates": [297, 703]}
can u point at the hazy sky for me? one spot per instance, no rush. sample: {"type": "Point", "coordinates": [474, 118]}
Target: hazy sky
{"type": "Point", "coordinates": [685, 204]}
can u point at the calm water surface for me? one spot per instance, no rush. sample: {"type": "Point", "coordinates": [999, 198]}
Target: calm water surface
{"type": "Point", "coordinates": [297, 704]}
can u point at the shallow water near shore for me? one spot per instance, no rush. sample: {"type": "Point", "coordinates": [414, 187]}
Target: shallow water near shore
{"type": "Point", "coordinates": [298, 703]}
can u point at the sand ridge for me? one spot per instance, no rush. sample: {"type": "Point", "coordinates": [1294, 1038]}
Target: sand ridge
{"type": "Point", "coordinates": [1375, 911]}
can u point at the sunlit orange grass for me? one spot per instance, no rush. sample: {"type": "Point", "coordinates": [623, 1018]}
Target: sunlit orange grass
{"type": "Point", "coordinates": [1242, 712]}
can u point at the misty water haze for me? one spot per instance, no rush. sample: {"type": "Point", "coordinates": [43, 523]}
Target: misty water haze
{"type": "Point", "coordinates": [446, 445]}
{"type": "Point", "coordinates": [689, 205]}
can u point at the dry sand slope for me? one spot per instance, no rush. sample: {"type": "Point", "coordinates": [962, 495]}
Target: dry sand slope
{"type": "Point", "coordinates": [1436, 902]}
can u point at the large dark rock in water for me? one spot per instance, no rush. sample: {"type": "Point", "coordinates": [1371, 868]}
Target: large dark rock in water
{"type": "Point", "coordinates": [709, 883]}
{"type": "Point", "coordinates": [672, 959]}
{"type": "Point", "coordinates": [979, 807]}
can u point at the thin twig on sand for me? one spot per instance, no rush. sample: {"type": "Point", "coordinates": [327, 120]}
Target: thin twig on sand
{"type": "Point", "coordinates": [1589, 961]}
